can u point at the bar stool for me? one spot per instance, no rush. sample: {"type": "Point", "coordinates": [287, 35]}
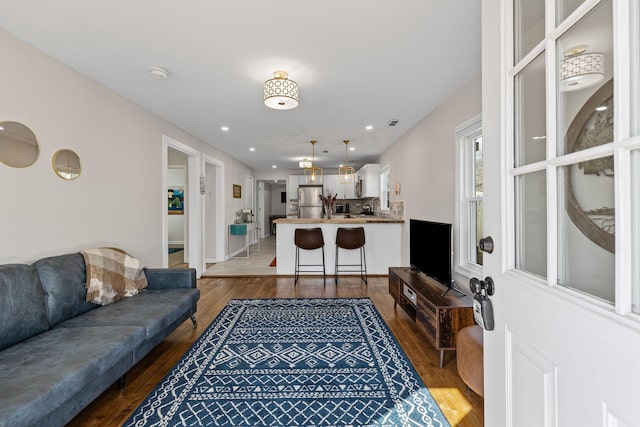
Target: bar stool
{"type": "Point", "coordinates": [309, 239]}
{"type": "Point", "coordinates": [351, 238]}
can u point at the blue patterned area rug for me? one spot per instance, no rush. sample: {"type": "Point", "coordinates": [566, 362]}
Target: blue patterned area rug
{"type": "Point", "coordinates": [292, 362]}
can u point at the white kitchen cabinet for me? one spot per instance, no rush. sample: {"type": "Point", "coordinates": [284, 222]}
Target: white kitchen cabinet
{"type": "Point", "coordinates": [332, 184]}
{"type": "Point", "coordinates": [370, 176]}
{"type": "Point", "coordinates": [292, 186]}
{"type": "Point", "coordinates": [349, 190]}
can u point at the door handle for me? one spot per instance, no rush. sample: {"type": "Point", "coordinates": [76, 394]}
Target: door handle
{"type": "Point", "coordinates": [486, 244]}
{"type": "Point", "coordinates": [482, 307]}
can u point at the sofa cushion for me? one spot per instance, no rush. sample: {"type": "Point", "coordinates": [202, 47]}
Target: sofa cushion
{"type": "Point", "coordinates": [23, 312]}
{"type": "Point", "coordinates": [44, 372]}
{"type": "Point", "coordinates": [63, 278]}
{"type": "Point", "coordinates": [154, 310]}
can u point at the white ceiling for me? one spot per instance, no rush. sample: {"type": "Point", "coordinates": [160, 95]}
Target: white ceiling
{"type": "Point", "coordinates": [357, 62]}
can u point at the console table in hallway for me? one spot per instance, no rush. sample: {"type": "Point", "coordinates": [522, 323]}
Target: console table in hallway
{"type": "Point", "coordinates": [242, 229]}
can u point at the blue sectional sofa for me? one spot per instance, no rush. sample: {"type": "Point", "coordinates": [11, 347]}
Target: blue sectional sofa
{"type": "Point", "coordinates": [59, 352]}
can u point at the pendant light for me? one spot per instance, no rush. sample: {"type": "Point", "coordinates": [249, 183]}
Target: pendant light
{"type": "Point", "coordinates": [346, 172]}
{"type": "Point", "coordinates": [313, 174]}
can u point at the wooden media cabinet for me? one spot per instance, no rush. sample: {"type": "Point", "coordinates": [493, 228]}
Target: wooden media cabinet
{"type": "Point", "coordinates": [438, 316]}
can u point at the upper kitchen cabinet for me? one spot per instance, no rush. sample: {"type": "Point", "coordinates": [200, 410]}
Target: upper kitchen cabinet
{"type": "Point", "coordinates": [370, 176]}
{"type": "Point", "coordinates": [292, 186]}
{"type": "Point", "coordinates": [349, 190]}
{"type": "Point", "coordinates": [333, 185]}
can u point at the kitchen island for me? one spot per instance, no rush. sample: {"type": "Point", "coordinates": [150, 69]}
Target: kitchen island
{"type": "Point", "coordinates": [383, 243]}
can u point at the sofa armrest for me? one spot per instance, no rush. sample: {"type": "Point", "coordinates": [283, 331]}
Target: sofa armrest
{"type": "Point", "coordinates": [167, 278]}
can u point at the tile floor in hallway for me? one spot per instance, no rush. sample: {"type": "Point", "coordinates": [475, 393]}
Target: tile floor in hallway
{"type": "Point", "coordinates": [256, 265]}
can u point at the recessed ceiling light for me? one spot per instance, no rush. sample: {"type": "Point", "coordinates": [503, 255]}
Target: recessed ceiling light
{"type": "Point", "coordinates": [601, 108]}
{"type": "Point", "coordinates": [224, 128]}
{"type": "Point", "coordinates": [340, 165]}
{"type": "Point", "coordinates": [158, 73]}
{"type": "Point", "coordinates": [536, 138]}
{"type": "Point", "coordinates": [352, 148]}
{"type": "Point", "coordinates": [368, 127]}
{"type": "Point", "coordinates": [274, 166]}
{"type": "Point", "coordinates": [1, 128]}
{"type": "Point", "coordinates": [252, 149]}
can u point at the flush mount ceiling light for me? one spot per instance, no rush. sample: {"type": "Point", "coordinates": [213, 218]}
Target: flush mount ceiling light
{"type": "Point", "coordinates": [313, 174]}
{"type": "Point", "coordinates": [158, 73]}
{"type": "Point", "coordinates": [280, 93]}
{"type": "Point", "coordinates": [304, 163]}
{"type": "Point", "coordinates": [579, 70]}
{"type": "Point", "coordinates": [346, 172]}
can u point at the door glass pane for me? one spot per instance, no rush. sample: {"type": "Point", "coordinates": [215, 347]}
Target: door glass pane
{"type": "Point", "coordinates": [531, 223]}
{"type": "Point", "coordinates": [585, 87]}
{"type": "Point", "coordinates": [586, 234]}
{"type": "Point", "coordinates": [530, 111]}
{"type": "Point", "coordinates": [635, 230]}
{"type": "Point", "coordinates": [528, 26]}
{"type": "Point", "coordinates": [566, 8]}
{"type": "Point", "coordinates": [475, 255]}
{"type": "Point", "coordinates": [477, 166]}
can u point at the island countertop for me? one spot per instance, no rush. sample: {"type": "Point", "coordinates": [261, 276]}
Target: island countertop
{"type": "Point", "coordinates": [340, 220]}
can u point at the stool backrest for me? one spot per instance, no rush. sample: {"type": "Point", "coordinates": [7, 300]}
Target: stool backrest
{"type": "Point", "coordinates": [350, 238]}
{"type": "Point", "coordinates": [309, 238]}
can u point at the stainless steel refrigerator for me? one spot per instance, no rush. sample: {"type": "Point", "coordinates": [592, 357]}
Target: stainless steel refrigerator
{"type": "Point", "coordinates": [309, 202]}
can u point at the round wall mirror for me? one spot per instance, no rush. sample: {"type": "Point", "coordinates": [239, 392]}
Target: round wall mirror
{"type": "Point", "coordinates": [18, 145]}
{"type": "Point", "coordinates": [592, 180]}
{"type": "Point", "coordinates": [66, 164]}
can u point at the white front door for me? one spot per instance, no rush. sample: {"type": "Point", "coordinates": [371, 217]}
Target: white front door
{"type": "Point", "coordinates": [561, 157]}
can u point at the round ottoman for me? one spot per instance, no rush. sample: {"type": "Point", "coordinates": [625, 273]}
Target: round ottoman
{"type": "Point", "coordinates": [469, 357]}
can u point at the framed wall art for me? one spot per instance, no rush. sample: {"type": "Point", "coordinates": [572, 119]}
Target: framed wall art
{"type": "Point", "coordinates": [237, 191]}
{"type": "Point", "coordinates": [175, 200]}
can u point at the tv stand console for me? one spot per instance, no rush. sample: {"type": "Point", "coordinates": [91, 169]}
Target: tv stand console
{"type": "Point", "coordinates": [439, 316]}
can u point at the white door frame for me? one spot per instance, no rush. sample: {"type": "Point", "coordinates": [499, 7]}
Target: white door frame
{"type": "Point", "coordinates": [250, 201]}
{"type": "Point", "coordinates": [220, 210]}
{"type": "Point", "coordinates": [192, 201]}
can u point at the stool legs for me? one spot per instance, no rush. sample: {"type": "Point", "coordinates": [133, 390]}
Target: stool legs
{"type": "Point", "coordinates": [296, 274]}
{"type": "Point", "coordinates": [362, 265]}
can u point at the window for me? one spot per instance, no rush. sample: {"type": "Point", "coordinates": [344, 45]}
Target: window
{"type": "Point", "coordinates": [469, 197]}
{"type": "Point", "coordinates": [385, 188]}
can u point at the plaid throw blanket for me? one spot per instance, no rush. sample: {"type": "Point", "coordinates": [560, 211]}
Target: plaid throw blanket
{"type": "Point", "coordinates": [112, 275]}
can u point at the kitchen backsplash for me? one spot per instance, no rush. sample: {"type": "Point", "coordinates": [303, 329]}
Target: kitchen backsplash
{"type": "Point", "coordinates": [396, 210]}
{"type": "Point", "coordinates": [359, 205]}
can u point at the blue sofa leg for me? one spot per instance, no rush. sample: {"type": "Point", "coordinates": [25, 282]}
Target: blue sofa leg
{"type": "Point", "coordinates": [193, 319]}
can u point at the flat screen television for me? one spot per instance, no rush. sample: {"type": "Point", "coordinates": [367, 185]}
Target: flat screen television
{"type": "Point", "coordinates": [430, 249]}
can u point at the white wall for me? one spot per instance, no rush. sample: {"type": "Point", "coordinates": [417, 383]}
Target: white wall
{"type": "Point", "coordinates": [210, 215]}
{"type": "Point", "coordinates": [118, 200]}
{"type": "Point", "coordinates": [277, 207]}
{"type": "Point", "coordinates": [423, 161]}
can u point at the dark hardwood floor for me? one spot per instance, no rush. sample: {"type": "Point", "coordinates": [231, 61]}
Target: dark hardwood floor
{"type": "Point", "coordinates": [461, 406]}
